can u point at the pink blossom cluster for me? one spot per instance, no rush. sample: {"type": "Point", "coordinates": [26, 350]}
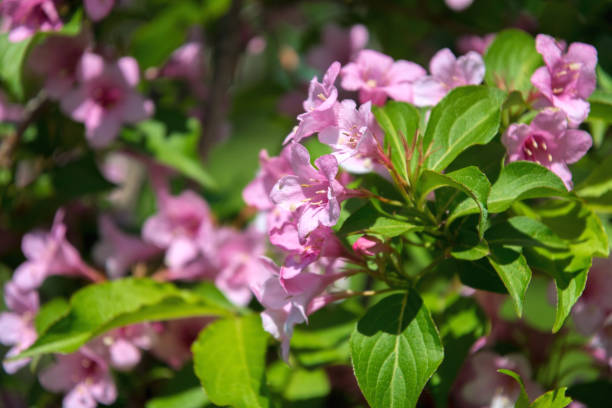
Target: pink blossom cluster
{"type": "Point", "coordinates": [24, 18]}
{"type": "Point", "coordinates": [563, 84]}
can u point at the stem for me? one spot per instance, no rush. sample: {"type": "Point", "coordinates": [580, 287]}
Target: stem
{"type": "Point", "coordinates": [92, 274]}
{"type": "Point", "coordinates": [351, 293]}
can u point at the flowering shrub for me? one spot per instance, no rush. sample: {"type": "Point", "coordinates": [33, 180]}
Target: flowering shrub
{"type": "Point", "coordinates": [411, 237]}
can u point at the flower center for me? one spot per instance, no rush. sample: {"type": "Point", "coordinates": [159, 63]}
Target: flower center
{"type": "Point", "coordinates": [565, 77]}
{"type": "Point", "coordinates": [536, 150]}
{"type": "Point", "coordinates": [106, 96]}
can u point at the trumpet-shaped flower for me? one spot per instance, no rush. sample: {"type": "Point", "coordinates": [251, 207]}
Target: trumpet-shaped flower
{"type": "Point", "coordinates": [549, 142]}
{"type": "Point", "coordinates": [85, 377]}
{"type": "Point", "coordinates": [376, 76]}
{"type": "Point", "coordinates": [17, 326]}
{"type": "Point", "coordinates": [289, 303]}
{"type": "Point", "coordinates": [354, 138]}
{"type": "Point", "coordinates": [23, 18]}
{"type": "Point", "coordinates": [318, 107]}
{"type": "Point", "coordinates": [316, 192]}
{"type": "Point", "coordinates": [272, 169]}
{"type": "Point", "coordinates": [568, 79]}
{"type": "Point", "coordinates": [47, 253]}
{"type": "Point", "coordinates": [106, 98]}
{"type": "Point", "coordinates": [448, 72]}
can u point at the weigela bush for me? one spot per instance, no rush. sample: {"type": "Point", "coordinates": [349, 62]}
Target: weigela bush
{"type": "Point", "coordinates": [412, 237]}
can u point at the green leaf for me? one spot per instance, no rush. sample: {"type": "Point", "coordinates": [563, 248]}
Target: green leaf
{"type": "Point", "coordinates": [368, 220]}
{"type": "Point", "coordinates": [229, 359]}
{"type": "Point", "coordinates": [12, 57]}
{"type": "Point", "coordinates": [511, 60]}
{"type": "Point", "coordinates": [519, 180]}
{"type": "Point", "coordinates": [513, 270]}
{"type": "Point", "coordinates": [400, 122]}
{"type": "Point", "coordinates": [573, 222]}
{"type": "Point", "coordinates": [191, 398]}
{"type": "Point", "coordinates": [461, 323]}
{"type": "Point", "coordinates": [468, 115]}
{"type": "Point", "coordinates": [468, 246]}
{"type": "Point", "coordinates": [469, 180]}
{"type": "Point", "coordinates": [478, 274]}
{"type": "Point", "coordinates": [307, 384]}
{"type": "Point", "coordinates": [523, 399]}
{"type": "Point", "coordinates": [49, 313]}
{"type": "Point", "coordinates": [395, 349]}
{"type": "Point", "coordinates": [601, 105]}
{"type": "Point", "coordinates": [525, 232]}
{"type": "Point", "coordinates": [599, 182]}
{"type": "Point", "coordinates": [178, 150]}
{"type": "Point", "coordinates": [96, 309]}
{"type": "Point", "coordinates": [552, 399]}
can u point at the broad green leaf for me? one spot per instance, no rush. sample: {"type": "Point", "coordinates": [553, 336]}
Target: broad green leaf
{"type": "Point", "coordinates": [307, 384]}
{"type": "Point", "coordinates": [229, 359]}
{"type": "Point", "coordinates": [395, 349]}
{"type": "Point", "coordinates": [400, 122]}
{"type": "Point", "coordinates": [191, 398]}
{"type": "Point", "coordinates": [12, 57]}
{"type": "Point", "coordinates": [478, 274]}
{"type": "Point", "coordinates": [468, 246]}
{"type": "Point", "coordinates": [573, 222]}
{"type": "Point", "coordinates": [552, 399]}
{"type": "Point", "coordinates": [523, 231]}
{"type": "Point", "coordinates": [469, 180]}
{"type": "Point", "coordinates": [368, 220]}
{"type": "Point", "coordinates": [601, 105]}
{"type": "Point", "coordinates": [461, 323]}
{"type": "Point", "coordinates": [519, 180]}
{"type": "Point", "coordinates": [523, 399]}
{"type": "Point", "coordinates": [513, 270]}
{"type": "Point", "coordinates": [468, 115]}
{"type": "Point", "coordinates": [599, 182]}
{"type": "Point", "coordinates": [96, 309]}
{"type": "Point", "coordinates": [511, 60]}
{"type": "Point", "coordinates": [49, 313]}
{"type": "Point", "coordinates": [178, 150]}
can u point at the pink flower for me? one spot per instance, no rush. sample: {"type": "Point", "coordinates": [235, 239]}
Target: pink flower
{"type": "Point", "coordinates": [486, 387]}
{"type": "Point", "coordinates": [319, 107]}
{"type": "Point", "coordinates": [9, 112]}
{"type": "Point", "coordinates": [57, 60]}
{"type": "Point", "coordinates": [289, 304]}
{"type": "Point", "coordinates": [369, 246]}
{"type": "Point", "coordinates": [458, 5]}
{"type": "Point", "coordinates": [98, 9]}
{"type": "Point", "coordinates": [238, 255]}
{"type": "Point", "coordinates": [124, 344]}
{"type": "Point", "coordinates": [568, 79]}
{"type": "Point", "coordinates": [173, 344]}
{"type": "Point", "coordinates": [316, 192]}
{"type": "Point", "coordinates": [376, 76]}
{"type": "Point", "coordinates": [447, 72]}
{"type": "Point", "coordinates": [47, 253]}
{"type": "Point", "coordinates": [85, 377]}
{"type": "Point", "coordinates": [595, 304]}
{"type": "Point", "coordinates": [547, 141]}
{"type": "Point", "coordinates": [338, 44]}
{"type": "Point", "coordinates": [17, 326]}
{"type": "Point", "coordinates": [322, 242]}
{"type": "Point", "coordinates": [183, 227]}
{"type": "Point", "coordinates": [106, 97]}
{"type": "Point", "coordinates": [354, 138]}
{"type": "Point", "coordinates": [23, 18]}
{"type": "Point", "coordinates": [475, 43]}
{"type": "Point", "coordinates": [118, 251]}
{"type": "Point", "coordinates": [187, 62]}
{"type": "Point", "coordinates": [272, 169]}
